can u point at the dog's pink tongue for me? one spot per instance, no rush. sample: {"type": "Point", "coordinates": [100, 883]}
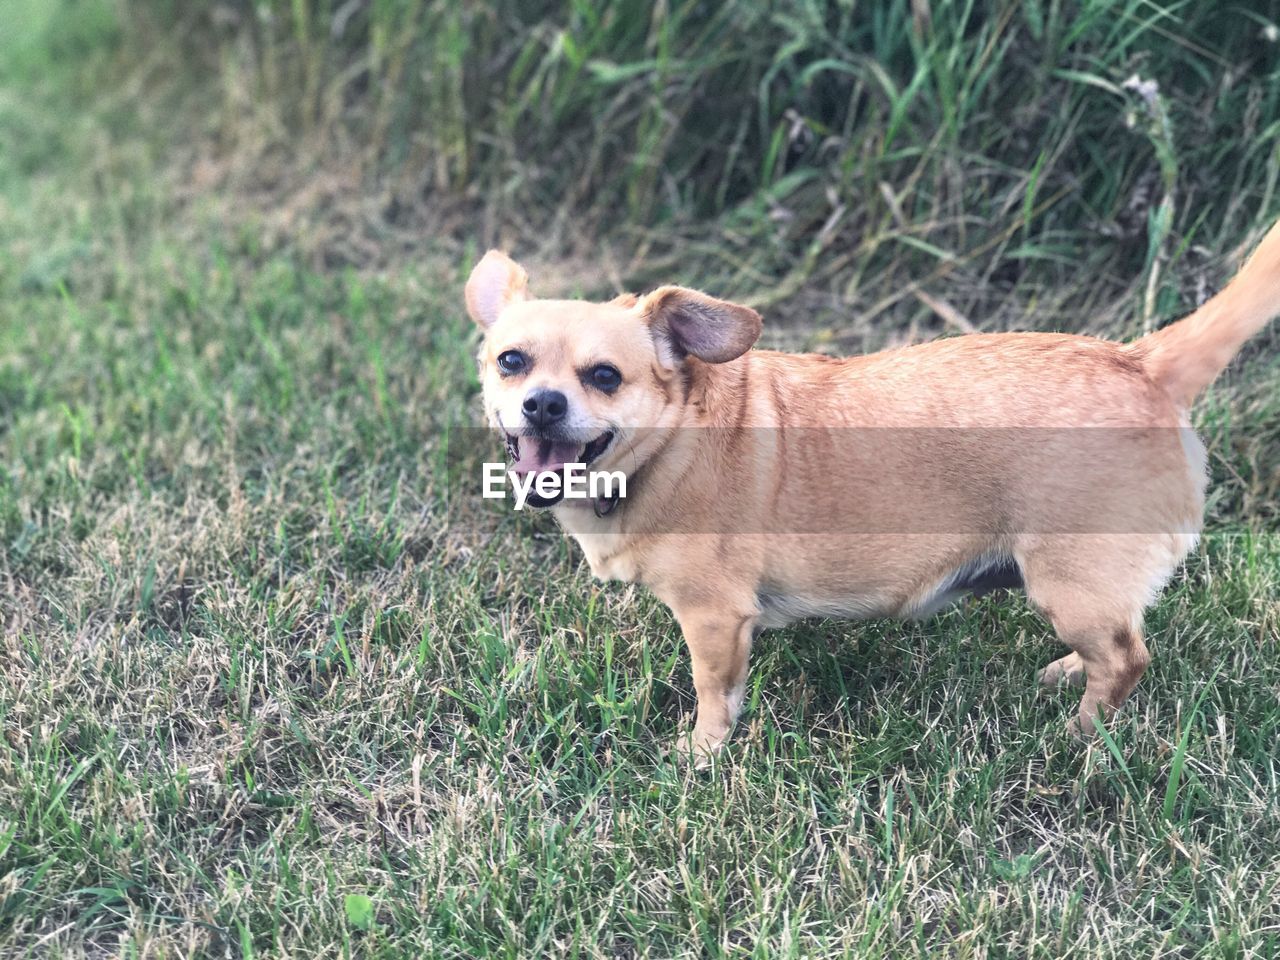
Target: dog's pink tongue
{"type": "Point", "coordinates": [539, 455]}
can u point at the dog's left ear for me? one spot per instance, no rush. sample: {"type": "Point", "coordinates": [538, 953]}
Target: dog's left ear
{"type": "Point", "coordinates": [689, 323]}
{"type": "Point", "coordinates": [496, 281]}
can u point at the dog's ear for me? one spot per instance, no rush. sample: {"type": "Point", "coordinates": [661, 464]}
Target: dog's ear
{"type": "Point", "coordinates": [688, 323]}
{"type": "Point", "coordinates": [496, 281]}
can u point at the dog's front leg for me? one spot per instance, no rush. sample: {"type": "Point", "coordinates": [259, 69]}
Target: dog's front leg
{"type": "Point", "coordinates": [719, 646]}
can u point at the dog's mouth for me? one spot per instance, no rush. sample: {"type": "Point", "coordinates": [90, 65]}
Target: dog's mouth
{"type": "Point", "coordinates": [539, 455]}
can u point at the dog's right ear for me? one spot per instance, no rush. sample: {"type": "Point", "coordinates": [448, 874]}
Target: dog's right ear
{"type": "Point", "coordinates": [496, 281]}
{"type": "Point", "coordinates": [687, 323]}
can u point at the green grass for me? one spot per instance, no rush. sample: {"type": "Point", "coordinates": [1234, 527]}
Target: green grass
{"type": "Point", "coordinates": [804, 155]}
{"type": "Point", "coordinates": [262, 695]}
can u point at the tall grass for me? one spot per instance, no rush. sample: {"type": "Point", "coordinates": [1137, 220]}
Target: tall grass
{"type": "Point", "coordinates": [799, 153]}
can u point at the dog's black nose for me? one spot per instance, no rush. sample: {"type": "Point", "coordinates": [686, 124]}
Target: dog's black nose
{"type": "Point", "coordinates": [544, 407]}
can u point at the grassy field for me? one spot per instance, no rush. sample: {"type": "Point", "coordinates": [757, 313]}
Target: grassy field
{"type": "Point", "coordinates": [263, 696]}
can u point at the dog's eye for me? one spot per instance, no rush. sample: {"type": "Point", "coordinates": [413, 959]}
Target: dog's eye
{"type": "Point", "coordinates": [512, 362]}
{"type": "Point", "coordinates": [604, 377]}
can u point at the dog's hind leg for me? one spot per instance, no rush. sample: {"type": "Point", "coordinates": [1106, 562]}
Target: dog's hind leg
{"type": "Point", "coordinates": [1093, 589]}
{"type": "Point", "coordinates": [1114, 660]}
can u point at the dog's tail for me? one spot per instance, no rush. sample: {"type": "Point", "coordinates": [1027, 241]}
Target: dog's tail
{"type": "Point", "coordinates": [1185, 357]}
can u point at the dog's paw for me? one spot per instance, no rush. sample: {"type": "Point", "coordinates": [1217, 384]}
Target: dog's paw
{"type": "Point", "coordinates": [1067, 672]}
{"type": "Point", "coordinates": [1083, 729]}
{"type": "Point", "coordinates": [698, 748]}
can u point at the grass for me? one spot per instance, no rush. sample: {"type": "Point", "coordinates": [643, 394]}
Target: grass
{"type": "Point", "coordinates": [262, 695]}
{"type": "Point", "coordinates": [805, 156]}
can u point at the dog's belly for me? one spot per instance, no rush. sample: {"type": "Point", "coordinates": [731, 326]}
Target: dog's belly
{"type": "Point", "coordinates": [980, 575]}
{"type": "Point", "coordinates": [780, 609]}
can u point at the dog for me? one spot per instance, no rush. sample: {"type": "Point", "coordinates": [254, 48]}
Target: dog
{"type": "Point", "coordinates": [765, 487]}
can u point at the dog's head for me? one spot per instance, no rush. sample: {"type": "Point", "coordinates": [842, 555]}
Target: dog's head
{"type": "Point", "coordinates": [568, 381]}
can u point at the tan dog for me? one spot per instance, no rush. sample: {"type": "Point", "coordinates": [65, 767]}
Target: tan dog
{"type": "Point", "coordinates": [765, 487]}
